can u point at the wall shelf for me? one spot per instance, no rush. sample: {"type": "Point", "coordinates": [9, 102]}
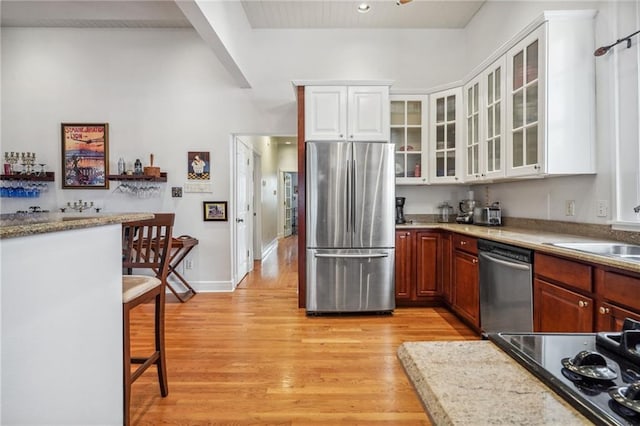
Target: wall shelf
{"type": "Point", "coordinates": [143, 178]}
{"type": "Point", "coordinates": [48, 177]}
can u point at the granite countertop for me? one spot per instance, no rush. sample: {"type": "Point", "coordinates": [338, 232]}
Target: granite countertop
{"type": "Point", "coordinates": [24, 224]}
{"type": "Point", "coordinates": [474, 382]}
{"type": "Point", "coordinates": [532, 239]}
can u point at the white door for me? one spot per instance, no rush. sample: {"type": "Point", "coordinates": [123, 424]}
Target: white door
{"type": "Point", "coordinates": [288, 193]}
{"type": "Point", "coordinates": [243, 213]}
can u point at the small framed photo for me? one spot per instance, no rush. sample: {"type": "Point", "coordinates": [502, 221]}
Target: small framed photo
{"type": "Point", "coordinates": [214, 210]}
{"type": "Point", "coordinates": [85, 155]}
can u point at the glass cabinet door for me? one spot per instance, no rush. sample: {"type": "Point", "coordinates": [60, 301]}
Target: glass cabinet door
{"type": "Point", "coordinates": [408, 124]}
{"type": "Point", "coordinates": [445, 123]}
{"type": "Point", "coordinates": [472, 122]}
{"type": "Point", "coordinates": [525, 126]}
{"type": "Point", "coordinates": [493, 144]}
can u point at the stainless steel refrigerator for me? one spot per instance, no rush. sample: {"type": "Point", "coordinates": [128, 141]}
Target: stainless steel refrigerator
{"type": "Point", "coordinates": [350, 227]}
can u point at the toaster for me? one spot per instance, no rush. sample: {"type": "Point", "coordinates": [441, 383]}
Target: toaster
{"type": "Point", "coordinates": [488, 216]}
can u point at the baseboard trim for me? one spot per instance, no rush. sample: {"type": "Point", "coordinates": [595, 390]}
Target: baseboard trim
{"type": "Point", "coordinates": [205, 286]}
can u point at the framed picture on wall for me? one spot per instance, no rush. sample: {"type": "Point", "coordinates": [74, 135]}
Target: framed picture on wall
{"type": "Point", "coordinates": [198, 165]}
{"type": "Point", "coordinates": [85, 155]}
{"type": "Point", "coordinates": [214, 210]}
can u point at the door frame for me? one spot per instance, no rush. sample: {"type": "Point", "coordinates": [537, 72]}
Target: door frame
{"type": "Point", "coordinates": [235, 142]}
{"type": "Point", "coordinates": [281, 217]}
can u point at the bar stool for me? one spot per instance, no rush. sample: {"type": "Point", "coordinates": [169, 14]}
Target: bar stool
{"type": "Point", "coordinates": [145, 244]}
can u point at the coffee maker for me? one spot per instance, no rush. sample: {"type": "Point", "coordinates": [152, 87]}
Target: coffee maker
{"type": "Point", "coordinates": [466, 211]}
{"type": "Point", "coordinates": [400, 210]}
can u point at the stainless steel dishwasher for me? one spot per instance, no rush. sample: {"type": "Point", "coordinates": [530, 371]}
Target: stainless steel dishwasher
{"type": "Point", "coordinates": [506, 289]}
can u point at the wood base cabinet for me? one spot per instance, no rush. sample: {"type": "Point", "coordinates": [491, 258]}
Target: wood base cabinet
{"type": "Point", "coordinates": [419, 267]}
{"type": "Point", "coordinates": [465, 280]}
{"type": "Point", "coordinates": [618, 299]}
{"type": "Point", "coordinates": [610, 317]}
{"type": "Point", "coordinates": [557, 309]}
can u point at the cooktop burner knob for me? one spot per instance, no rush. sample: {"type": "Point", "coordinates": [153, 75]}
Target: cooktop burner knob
{"type": "Point", "coordinates": [633, 392]}
{"type": "Point", "coordinates": [589, 358]}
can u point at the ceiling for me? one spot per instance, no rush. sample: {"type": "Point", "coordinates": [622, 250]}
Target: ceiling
{"type": "Point", "coordinates": [301, 14]}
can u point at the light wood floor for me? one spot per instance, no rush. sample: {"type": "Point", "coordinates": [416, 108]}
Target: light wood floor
{"type": "Point", "coordinates": [253, 357]}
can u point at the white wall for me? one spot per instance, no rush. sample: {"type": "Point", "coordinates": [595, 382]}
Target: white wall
{"type": "Point", "coordinates": [161, 91]}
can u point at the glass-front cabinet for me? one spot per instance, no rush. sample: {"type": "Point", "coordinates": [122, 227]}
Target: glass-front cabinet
{"type": "Point", "coordinates": [409, 121]}
{"type": "Point", "coordinates": [526, 87]}
{"type": "Point", "coordinates": [493, 109]}
{"type": "Point", "coordinates": [445, 135]}
{"type": "Point", "coordinates": [472, 156]}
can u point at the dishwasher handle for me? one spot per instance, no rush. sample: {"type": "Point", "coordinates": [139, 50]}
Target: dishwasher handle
{"type": "Point", "coordinates": [508, 263]}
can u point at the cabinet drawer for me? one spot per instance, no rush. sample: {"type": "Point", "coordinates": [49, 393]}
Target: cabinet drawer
{"type": "Point", "coordinates": [563, 271]}
{"type": "Point", "coordinates": [620, 289]}
{"type": "Point", "coordinates": [464, 243]}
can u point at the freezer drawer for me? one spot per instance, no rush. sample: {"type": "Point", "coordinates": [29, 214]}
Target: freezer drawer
{"type": "Point", "coordinates": [350, 280]}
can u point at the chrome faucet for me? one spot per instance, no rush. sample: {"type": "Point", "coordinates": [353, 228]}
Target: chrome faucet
{"type": "Point", "coordinates": [637, 209]}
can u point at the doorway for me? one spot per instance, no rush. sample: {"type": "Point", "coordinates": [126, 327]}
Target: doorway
{"type": "Point", "coordinates": [262, 207]}
{"type": "Point", "coordinates": [289, 202]}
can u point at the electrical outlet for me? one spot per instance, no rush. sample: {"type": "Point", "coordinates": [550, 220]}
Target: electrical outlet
{"type": "Point", "coordinates": [176, 191]}
{"type": "Point", "coordinates": [188, 264]}
{"type": "Point", "coordinates": [602, 209]}
{"type": "Point", "coordinates": [570, 208]}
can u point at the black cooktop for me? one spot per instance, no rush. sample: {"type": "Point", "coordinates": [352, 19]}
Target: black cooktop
{"type": "Point", "coordinates": [552, 358]}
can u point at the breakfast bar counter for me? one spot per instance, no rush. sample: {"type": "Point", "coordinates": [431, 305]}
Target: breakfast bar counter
{"type": "Point", "coordinates": [61, 318]}
{"type": "Point", "coordinates": [474, 382]}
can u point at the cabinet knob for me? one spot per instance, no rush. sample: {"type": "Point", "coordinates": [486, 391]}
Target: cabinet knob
{"type": "Point", "coordinates": [351, 136]}
{"type": "Point", "coordinates": [604, 310]}
{"type": "Point", "coordinates": [341, 135]}
{"type": "Point", "coordinates": [474, 260]}
{"type": "Point", "coordinates": [463, 243]}
{"type": "Point", "coordinates": [583, 304]}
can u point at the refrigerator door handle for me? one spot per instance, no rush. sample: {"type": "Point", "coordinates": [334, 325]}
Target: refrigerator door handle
{"type": "Point", "coordinates": [353, 256]}
{"type": "Point", "coordinates": [353, 196]}
{"type": "Point", "coordinates": [347, 202]}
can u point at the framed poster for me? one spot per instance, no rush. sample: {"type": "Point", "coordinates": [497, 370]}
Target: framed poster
{"type": "Point", "coordinates": [214, 210]}
{"type": "Point", "coordinates": [85, 155]}
{"type": "Point", "coordinates": [198, 165]}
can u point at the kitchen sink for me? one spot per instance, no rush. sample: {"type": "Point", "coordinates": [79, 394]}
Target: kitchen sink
{"type": "Point", "coordinates": [620, 250]}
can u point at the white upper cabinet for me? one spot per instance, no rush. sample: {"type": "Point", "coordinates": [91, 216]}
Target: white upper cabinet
{"type": "Point", "coordinates": [526, 102]}
{"type": "Point", "coordinates": [484, 124]}
{"type": "Point", "coordinates": [368, 113]}
{"type": "Point", "coordinates": [325, 113]}
{"type": "Point", "coordinates": [409, 132]}
{"type": "Point", "coordinates": [473, 126]}
{"type": "Point", "coordinates": [493, 109]}
{"type": "Point", "coordinates": [446, 136]}
{"type": "Point", "coordinates": [355, 113]}
{"type": "Point", "coordinates": [551, 98]}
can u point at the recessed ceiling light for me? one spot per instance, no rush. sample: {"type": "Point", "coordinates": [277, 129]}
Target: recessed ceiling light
{"type": "Point", "coordinates": [363, 8]}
